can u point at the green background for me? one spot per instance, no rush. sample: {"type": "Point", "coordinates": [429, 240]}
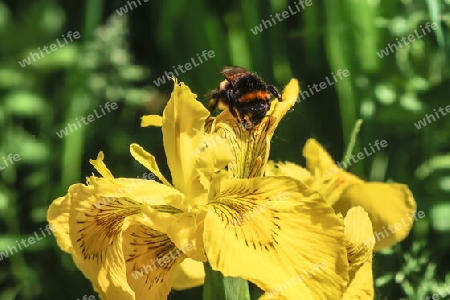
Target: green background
{"type": "Point", "coordinates": [117, 58]}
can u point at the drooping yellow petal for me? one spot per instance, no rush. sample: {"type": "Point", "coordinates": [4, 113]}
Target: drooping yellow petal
{"type": "Point", "coordinates": [250, 144]}
{"type": "Point", "coordinates": [280, 235]}
{"type": "Point", "coordinates": [148, 161]}
{"type": "Point", "coordinates": [188, 274]}
{"type": "Point", "coordinates": [58, 218]}
{"type": "Point", "coordinates": [151, 120]}
{"type": "Point", "coordinates": [150, 259]}
{"type": "Point", "coordinates": [183, 128]}
{"type": "Point", "coordinates": [390, 206]}
{"type": "Point", "coordinates": [360, 241]}
{"type": "Point", "coordinates": [100, 166]}
{"type": "Point", "coordinates": [96, 238]}
{"type": "Point", "coordinates": [96, 214]}
{"type": "Point", "coordinates": [344, 190]}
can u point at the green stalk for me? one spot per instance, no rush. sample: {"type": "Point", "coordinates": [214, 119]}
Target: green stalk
{"type": "Point", "coordinates": [352, 142]}
{"type": "Point", "coordinates": [218, 287]}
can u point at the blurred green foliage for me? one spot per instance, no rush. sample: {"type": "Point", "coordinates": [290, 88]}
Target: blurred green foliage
{"type": "Point", "coordinates": [118, 57]}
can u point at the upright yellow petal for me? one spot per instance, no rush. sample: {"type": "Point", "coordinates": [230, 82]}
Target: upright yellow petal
{"type": "Point", "coordinates": [183, 127]}
{"type": "Point", "coordinates": [279, 234]}
{"type": "Point", "coordinates": [391, 209]}
{"type": "Point", "coordinates": [151, 120]}
{"type": "Point", "coordinates": [100, 166]}
{"type": "Point", "coordinates": [359, 240]}
{"type": "Point", "coordinates": [148, 161]}
{"type": "Point", "coordinates": [250, 145]}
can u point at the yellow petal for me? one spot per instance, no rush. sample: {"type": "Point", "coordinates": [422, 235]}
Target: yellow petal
{"type": "Point", "coordinates": [100, 166]}
{"type": "Point", "coordinates": [183, 127]}
{"type": "Point", "coordinates": [140, 190]}
{"type": "Point", "coordinates": [96, 216]}
{"type": "Point", "coordinates": [188, 274]}
{"type": "Point", "coordinates": [185, 229]}
{"type": "Point", "coordinates": [58, 218]}
{"type": "Point", "coordinates": [150, 258]}
{"type": "Point", "coordinates": [287, 169]}
{"type": "Point", "coordinates": [328, 179]}
{"type": "Point", "coordinates": [280, 235]}
{"type": "Point", "coordinates": [344, 190]}
{"type": "Point", "coordinates": [360, 241]}
{"type": "Point", "coordinates": [289, 96]}
{"type": "Point", "coordinates": [151, 120]}
{"type": "Point", "coordinates": [250, 145]}
{"type": "Point", "coordinates": [148, 161]}
{"type": "Point", "coordinates": [317, 157]}
{"type": "Point", "coordinates": [96, 238]}
{"type": "Point", "coordinates": [391, 209]}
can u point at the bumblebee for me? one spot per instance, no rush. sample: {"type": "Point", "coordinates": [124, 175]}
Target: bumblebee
{"type": "Point", "coordinates": [247, 96]}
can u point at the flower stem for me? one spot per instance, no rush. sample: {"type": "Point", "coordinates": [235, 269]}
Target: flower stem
{"type": "Point", "coordinates": [218, 287]}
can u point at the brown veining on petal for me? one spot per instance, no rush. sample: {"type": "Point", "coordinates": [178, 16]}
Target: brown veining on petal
{"type": "Point", "coordinates": [101, 224]}
{"type": "Point", "coordinates": [150, 254]}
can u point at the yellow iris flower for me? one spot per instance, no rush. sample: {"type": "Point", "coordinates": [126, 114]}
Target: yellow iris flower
{"type": "Point", "coordinates": [391, 206]}
{"type": "Point", "coordinates": [137, 239]}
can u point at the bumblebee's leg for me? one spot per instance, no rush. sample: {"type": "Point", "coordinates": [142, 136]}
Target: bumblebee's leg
{"type": "Point", "coordinates": [273, 90]}
{"type": "Point", "coordinates": [231, 107]}
{"type": "Point", "coordinates": [214, 101]}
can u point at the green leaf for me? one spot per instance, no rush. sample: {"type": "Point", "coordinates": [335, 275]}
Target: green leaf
{"type": "Point", "coordinates": [218, 287]}
{"type": "Point", "coordinates": [24, 104]}
{"type": "Point", "coordinates": [439, 217]}
{"type": "Point", "coordinates": [434, 10]}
